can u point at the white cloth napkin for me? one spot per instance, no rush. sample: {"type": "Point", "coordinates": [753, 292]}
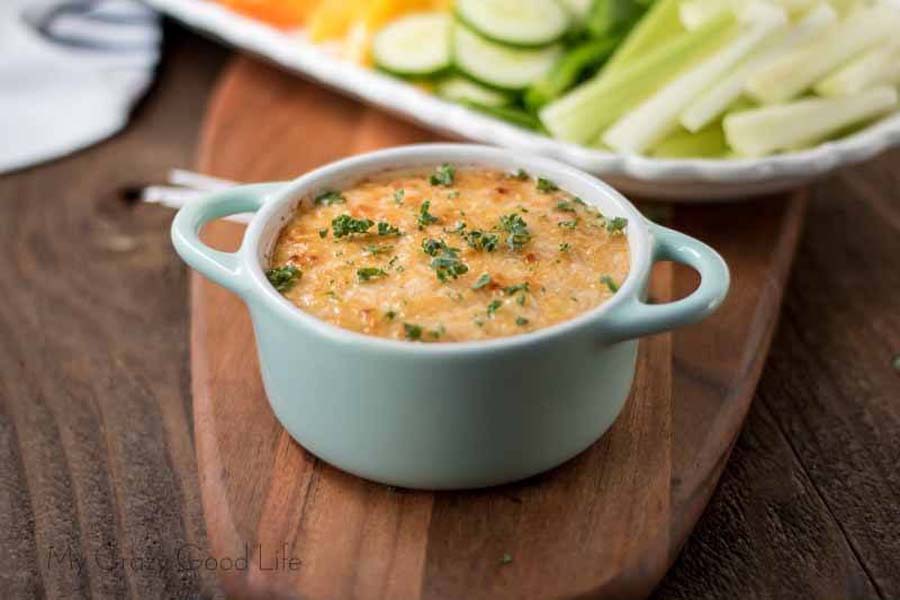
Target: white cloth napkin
{"type": "Point", "coordinates": [70, 71]}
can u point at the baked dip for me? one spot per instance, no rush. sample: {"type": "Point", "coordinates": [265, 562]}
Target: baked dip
{"type": "Point", "coordinates": [448, 255]}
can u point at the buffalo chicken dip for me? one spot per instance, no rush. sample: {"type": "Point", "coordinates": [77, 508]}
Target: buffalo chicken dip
{"type": "Point", "coordinates": [448, 255]}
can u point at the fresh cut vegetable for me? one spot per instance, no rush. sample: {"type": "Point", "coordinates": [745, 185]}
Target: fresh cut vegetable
{"type": "Point", "coordinates": [796, 71]}
{"type": "Point", "coordinates": [417, 45]}
{"type": "Point", "coordinates": [612, 17]}
{"type": "Point", "coordinates": [710, 105]}
{"type": "Point", "coordinates": [659, 26]}
{"type": "Point", "coordinates": [879, 66]}
{"type": "Point", "coordinates": [515, 22]}
{"type": "Point", "coordinates": [462, 90]}
{"type": "Point", "coordinates": [569, 69]}
{"type": "Point", "coordinates": [779, 127]}
{"type": "Point", "coordinates": [657, 117]}
{"type": "Point", "coordinates": [585, 112]}
{"type": "Point", "coordinates": [499, 66]}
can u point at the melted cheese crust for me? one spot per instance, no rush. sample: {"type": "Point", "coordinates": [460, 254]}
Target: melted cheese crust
{"type": "Point", "coordinates": [571, 263]}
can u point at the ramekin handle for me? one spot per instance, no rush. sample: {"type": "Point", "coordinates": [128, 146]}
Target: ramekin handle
{"type": "Point", "coordinates": [220, 267]}
{"type": "Point", "coordinates": [637, 318]}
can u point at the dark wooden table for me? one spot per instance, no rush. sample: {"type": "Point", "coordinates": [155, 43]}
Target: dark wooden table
{"type": "Point", "coordinates": [98, 483]}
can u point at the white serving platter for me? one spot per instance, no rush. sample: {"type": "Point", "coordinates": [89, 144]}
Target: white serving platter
{"type": "Point", "coordinates": [697, 180]}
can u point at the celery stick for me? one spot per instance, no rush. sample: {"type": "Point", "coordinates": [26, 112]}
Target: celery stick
{"type": "Point", "coordinates": [694, 13]}
{"type": "Point", "coordinates": [582, 114]}
{"type": "Point", "coordinates": [762, 131]}
{"type": "Point", "coordinates": [657, 117]}
{"type": "Point", "coordinates": [878, 66]}
{"type": "Point", "coordinates": [799, 69]}
{"type": "Point", "coordinates": [716, 100]}
{"type": "Point", "coordinates": [706, 143]}
{"type": "Point", "coordinates": [658, 27]}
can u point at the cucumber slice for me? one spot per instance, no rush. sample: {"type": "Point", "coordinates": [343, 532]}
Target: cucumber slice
{"type": "Point", "coordinates": [516, 22]}
{"type": "Point", "coordinates": [465, 91]}
{"type": "Point", "coordinates": [417, 45]}
{"type": "Point", "coordinates": [500, 66]}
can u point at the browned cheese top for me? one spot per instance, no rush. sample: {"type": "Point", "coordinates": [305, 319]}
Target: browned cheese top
{"type": "Point", "coordinates": [448, 255]}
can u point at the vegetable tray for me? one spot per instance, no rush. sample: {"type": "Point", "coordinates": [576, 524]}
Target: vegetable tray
{"type": "Point", "coordinates": [681, 179]}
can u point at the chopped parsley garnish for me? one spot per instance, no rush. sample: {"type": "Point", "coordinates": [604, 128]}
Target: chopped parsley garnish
{"type": "Point", "coordinates": [446, 262]}
{"type": "Point", "coordinates": [481, 240]}
{"type": "Point", "coordinates": [482, 281]}
{"type": "Point", "coordinates": [329, 198]}
{"type": "Point", "coordinates": [283, 278]}
{"type": "Point", "coordinates": [376, 250]}
{"type": "Point", "coordinates": [437, 333]}
{"type": "Point", "coordinates": [412, 331]}
{"type": "Point", "coordinates": [610, 283]}
{"type": "Point", "coordinates": [443, 175]}
{"type": "Point", "coordinates": [493, 307]}
{"type": "Point", "coordinates": [514, 289]}
{"type": "Point", "coordinates": [565, 247]}
{"type": "Point", "coordinates": [453, 195]}
{"type": "Point", "coordinates": [323, 233]}
{"type": "Point", "coordinates": [345, 225]}
{"type": "Point", "coordinates": [565, 206]}
{"type": "Point", "coordinates": [431, 246]}
{"type": "Point", "coordinates": [370, 273]}
{"type": "Point", "coordinates": [399, 195]}
{"type": "Point", "coordinates": [425, 218]}
{"type": "Point", "coordinates": [458, 228]}
{"type": "Point", "coordinates": [506, 559]}
{"type": "Point", "coordinates": [521, 175]}
{"type": "Point", "coordinates": [517, 229]}
{"type": "Point", "coordinates": [390, 315]}
{"type": "Point", "coordinates": [616, 225]}
{"type": "Point", "coordinates": [546, 186]}
{"type": "Point", "coordinates": [568, 224]}
{"type": "Point", "coordinates": [385, 228]}
{"type": "Point", "coordinates": [522, 321]}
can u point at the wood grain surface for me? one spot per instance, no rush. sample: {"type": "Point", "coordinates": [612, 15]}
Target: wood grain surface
{"type": "Point", "coordinates": [605, 525]}
{"type": "Point", "coordinates": [96, 451]}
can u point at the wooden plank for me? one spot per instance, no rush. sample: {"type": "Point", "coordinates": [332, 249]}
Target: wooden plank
{"type": "Point", "coordinates": [569, 532]}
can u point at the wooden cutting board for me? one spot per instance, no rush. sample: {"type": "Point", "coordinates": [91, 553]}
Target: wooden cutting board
{"type": "Point", "coordinates": [607, 524]}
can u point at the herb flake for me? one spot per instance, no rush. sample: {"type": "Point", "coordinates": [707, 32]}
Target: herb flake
{"type": "Point", "coordinates": [546, 186]}
{"type": "Point", "coordinates": [610, 283]}
{"type": "Point", "coordinates": [345, 225]}
{"type": "Point", "coordinates": [386, 229]}
{"type": "Point", "coordinates": [517, 228]}
{"type": "Point", "coordinates": [445, 262]}
{"type": "Point", "coordinates": [283, 278]}
{"type": "Point", "coordinates": [444, 175]}
{"type": "Point", "coordinates": [329, 198]}
{"type": "Point", "coordinates": [616, 225]}
{"type": "Point", "coordinates": [483, 280]}
{"type": "Point", "coordinates": [370, 273]}
{"type": "Point", "coordinates": [481, 240]}
{"type": "Point", "coordinates": [412, 331]}
{"type": "Point", "coordinates": [425, 218]}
